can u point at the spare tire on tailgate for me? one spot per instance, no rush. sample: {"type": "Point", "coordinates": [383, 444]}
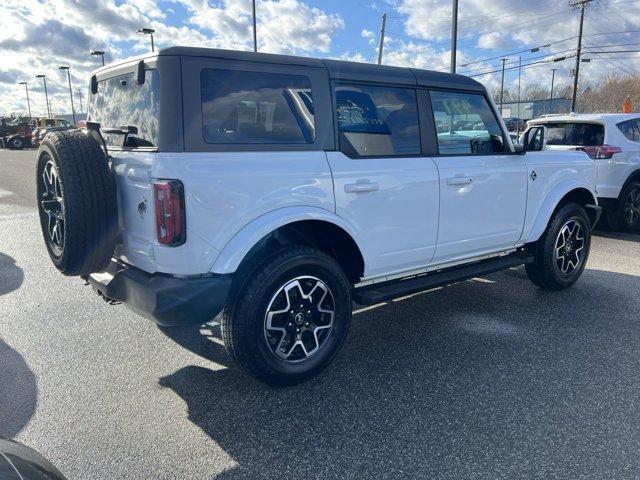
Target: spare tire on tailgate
{"type": "Point", "coordinates": [76, 202]}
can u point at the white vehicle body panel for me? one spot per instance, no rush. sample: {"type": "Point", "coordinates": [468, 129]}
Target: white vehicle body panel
{"type": "Point", "coordinates": [556, 174]}
{"type": "Point", "coordinates": [392, 204]}
{"type": "Point", "coordinates": [612, 173]}
{"type": "Point", "coordinates": [414, 218]}
{"type": "Point", "coordinates": [482, 204]}
{"type": "Point", "coordinates": [224, 192]}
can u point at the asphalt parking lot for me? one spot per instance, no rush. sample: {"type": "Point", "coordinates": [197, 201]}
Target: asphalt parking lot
{"type": "Point", "coordinates": [489, 378]}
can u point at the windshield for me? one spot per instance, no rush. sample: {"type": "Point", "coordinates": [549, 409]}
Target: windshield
{"type": "Point", "coordinates": [575, 134]}
{"type": "Point", "coordinates": [121, 102]}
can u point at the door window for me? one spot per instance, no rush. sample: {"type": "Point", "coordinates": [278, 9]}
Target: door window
{"type": "Point", "coordinates": [377, 121]}
{"type": "Point", "coordinates": [255, 107]}
{"type": "Point", "coordinates": [465, 124]}
{"type": "Point", "coordinates": [575, 134]}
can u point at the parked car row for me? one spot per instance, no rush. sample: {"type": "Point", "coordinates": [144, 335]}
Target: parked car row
{"type": "Point", "coordinates": [21, 133]}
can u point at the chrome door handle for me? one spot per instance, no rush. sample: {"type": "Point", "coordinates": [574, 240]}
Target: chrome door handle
{"type": "Point", "coordinates": [459, 181]}
{"type": "Point", "coordinates": [361, 187]}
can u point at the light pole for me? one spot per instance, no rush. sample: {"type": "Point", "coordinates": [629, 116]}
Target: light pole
{"type": "Point", "coordinates": [73, 111]}
{"type": "Point", "coordinates": [79, 94]}
{"type": "Point", "coordinates": [255, 27]}
{"type": "Point", "coordinates": [26, 87]}
{"type": "Point", "coordinates": [148, 31]}
{"type": "Point", "coordinates": [98, 52]}
{"type": "Point", "coordinates": [46, 95]}
{"type": "Point", "coordinates": [454, 36]}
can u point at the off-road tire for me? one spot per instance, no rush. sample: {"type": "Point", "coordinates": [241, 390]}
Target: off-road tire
{"type": "Point", "coordinates": [543, 272]}
{"type": "Point", "coordinates": [88, 192]}
{"type": "Point", "coordinates": [244, 316]}
{"type": "Point", "coordinates": [616, 217]}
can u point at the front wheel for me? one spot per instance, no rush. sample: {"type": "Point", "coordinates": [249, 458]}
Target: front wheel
{"type": "Point", "coordinates": [561, 253]}
{"type": "Point", "coordinates": [290, 317]}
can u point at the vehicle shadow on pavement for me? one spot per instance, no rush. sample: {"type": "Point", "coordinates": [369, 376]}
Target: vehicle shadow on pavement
{"type": "Point", "coordinates": [18, 391]}
{"type": "Point", "coordinates": [11, 275]}
{"type": "Point", "coordinates": [483, 379]}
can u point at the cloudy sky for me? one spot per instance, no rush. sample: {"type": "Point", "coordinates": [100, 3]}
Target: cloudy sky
{"type": "Point", "coordinates": [38, 36]}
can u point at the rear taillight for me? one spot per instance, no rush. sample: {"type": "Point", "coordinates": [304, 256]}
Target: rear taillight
{"type": "Point", "coordinates": [168, 197]}
{"type": "Point", "coordinates": [603, 152]}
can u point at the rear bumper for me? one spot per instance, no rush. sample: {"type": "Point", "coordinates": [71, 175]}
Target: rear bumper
{"type": "Point", "coordinates": [167, 300]}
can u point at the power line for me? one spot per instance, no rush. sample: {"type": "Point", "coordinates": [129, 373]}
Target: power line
{"type": "Point", "coordinates": [555, 60]}
{"type": "Point", "coordinates": [532, 58]}
{"type": "Point", "coordinates": [531, 50]}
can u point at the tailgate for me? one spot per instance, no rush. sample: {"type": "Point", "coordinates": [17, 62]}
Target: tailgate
{"type": "Point", "coordinates": [135, 209]}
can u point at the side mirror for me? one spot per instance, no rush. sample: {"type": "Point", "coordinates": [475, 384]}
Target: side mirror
{"type": "Point", "coordinates": [94, 84]}
{"type": "Point", "coordinates": [534, 139]}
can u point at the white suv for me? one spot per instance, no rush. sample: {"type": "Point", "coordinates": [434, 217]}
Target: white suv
{"type": "Point", "coordinates": [613, 141]}
{"type": "Point", "coordinates": [276, 190]}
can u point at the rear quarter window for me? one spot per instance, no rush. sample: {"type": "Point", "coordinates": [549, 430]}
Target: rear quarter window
{"type": "Point", "coordinates": [575, 133]}
{"type": "Point", "coordinates": [630, 129]}
{"type": "Point", "coordinates": [241, 107]}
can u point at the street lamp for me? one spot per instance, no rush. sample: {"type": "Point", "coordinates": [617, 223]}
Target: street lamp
{"type": "Point", "coordinates": [73, 111]}
{"type": "Point", "coordinates": [98, 52]}
{"type": "Point", "coordinates": [46, 96]}
{"type": "Point", "coordinates": [26, 87]}
{"type": "Point", "coordinates": [148, 31]}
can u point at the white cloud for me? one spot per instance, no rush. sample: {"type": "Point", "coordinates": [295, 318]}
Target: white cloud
{"type": "Point", "coordinates": [40, 36]}
{"type": "Point", "coordinates": [284, 26]}
{"type": "Point", "coordinates": [366, 33]}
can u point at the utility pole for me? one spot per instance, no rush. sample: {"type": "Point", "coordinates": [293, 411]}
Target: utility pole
{"type": "Point", "coordinates": [255, 29]}
{"type": "Point", "coordinates": [454, 36]}
{"type": "Point", "coordinates": [382, 29]}
{"type": "Point", "coordinates": [504, 60]}
{"type": "Point", "coordinates": [519, 91]}
{"type": "Point", "coordinates": [553, 78]}
{"type": "Point", "coordinates": [583, 5]}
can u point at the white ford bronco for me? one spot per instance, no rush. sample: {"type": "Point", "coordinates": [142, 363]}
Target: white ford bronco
{"type": "Point", "coordinates": [273, 191]}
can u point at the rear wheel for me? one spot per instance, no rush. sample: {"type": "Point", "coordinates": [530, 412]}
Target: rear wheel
{"type": "Point", "coordinates": [626, 216]}
{"type": "Point", "coordinates": [561, 253]}
{"type": "Point", "coordinates": [290, 317]}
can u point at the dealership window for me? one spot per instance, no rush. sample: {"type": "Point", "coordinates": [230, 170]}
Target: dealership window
{"type": "Point", "coordinates": [244, 107]}
{"type": "Point", "coordinates": [377, 121]}
{"type": "Point", "coordinates": [465, 124]}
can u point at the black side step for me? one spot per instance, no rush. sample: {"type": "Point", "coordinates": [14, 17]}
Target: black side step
{"type": "Point", "coordinates": [372, 294]}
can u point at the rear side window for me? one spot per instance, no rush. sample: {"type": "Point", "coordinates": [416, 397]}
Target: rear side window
{"type": "Point", "coordinates": [630, 130]}
{"type": "Point", "coordinates": [254, 107]}
{"type": "Point", "coordinates": [575, 134]}
{"type": "Point", "coordinates": [465, 124]}
{"type": "Point", "coordinates": [377, 121]}
{"type": "Point", "coordinates": [121, 102]}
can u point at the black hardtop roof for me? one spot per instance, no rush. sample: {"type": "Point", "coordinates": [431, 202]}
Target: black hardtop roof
{"type": "Point", "coordinates": [338, 69]}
